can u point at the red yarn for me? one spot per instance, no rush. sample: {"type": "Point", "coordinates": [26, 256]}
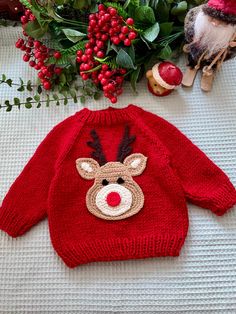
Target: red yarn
{"type": "Point", "coordinates": [176, 170]}
{"type": "Point", "coordinates": [226, 6]}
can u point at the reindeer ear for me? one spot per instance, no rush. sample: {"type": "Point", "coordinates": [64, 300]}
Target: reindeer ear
{"type": "Point", "coordinates": [136, 163]}
{"type": "Point", "coordinates": [87, 167]}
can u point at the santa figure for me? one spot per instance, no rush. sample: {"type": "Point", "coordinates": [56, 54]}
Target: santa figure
{"type": "Point", "coordinates": [210, 33]}
{"type": "Point", "coordinates": [163, 78]}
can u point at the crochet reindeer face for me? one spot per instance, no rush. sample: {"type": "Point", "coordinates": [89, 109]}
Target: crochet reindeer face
{"type": "Point", "coordinates": [114, 194]}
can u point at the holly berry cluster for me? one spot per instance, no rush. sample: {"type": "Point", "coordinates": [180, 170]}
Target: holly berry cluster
{"type": "Point", "coordinates": [105, 25]}
{"type": "Point", "coordinates": [28, 16]}
{"type": "Point", "coordinates": [37, 54]}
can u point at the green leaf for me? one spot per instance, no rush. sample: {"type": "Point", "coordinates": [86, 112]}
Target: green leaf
{"type": "Point", "coordinates": [29, 86]}
{"type": "Point", "coordinates": [152, 32]}
{"type": "Point", "coordinates": [47, 101]}
{"type": "Point", "coordinates": [37, 98]}
{"type": "Point", "coordinates": [55, 96]}
{"type": "Point", "coordinates": [145, 14]}
{"type": "Point", "coordinates": [9, 82]}
{"type": "Point", "coordinates": [134, 77]}
{"type": "Point", "coordinates": [35, 30]}
{"type": "Point", "coordinates": [16, 101]}
{"type": "Point", "coordinates": [65, 101]}
{"type": "Point", "coordinates": [73, 35]}
{"type": "Point", "coordinates": [21, 88]}
{"type": "Point", "coordinates": [165, 53]}
{"type": "Point", "coordinates": [96, 95]}
{"type": "Point", "coordinates": [82, 99]}
{"type": "Point", "coordinates": [38, 105]}
{"type": "Point", "coordinates": [166, 28]}
{"type": "Point", "coordinates": [39, 89]}
{"type": "Point", "coordinates": [124, 60]}
{"type": "Point", "coordinates": [4, 77]}
{"type": "Point", "coordinates": [28, 105]}
{"type": "Point", "coordinates": [180, 8]}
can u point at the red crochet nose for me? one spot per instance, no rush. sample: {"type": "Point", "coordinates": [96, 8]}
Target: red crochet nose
{"type": "Point", "coordinates": [113, 199]}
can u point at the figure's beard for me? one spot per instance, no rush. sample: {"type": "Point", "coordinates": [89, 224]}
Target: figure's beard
{"type": "Point", "coordinates": [209, 37]}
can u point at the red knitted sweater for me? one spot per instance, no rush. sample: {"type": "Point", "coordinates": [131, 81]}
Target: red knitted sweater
{"type": "Point", "coordinates": [114, 184]}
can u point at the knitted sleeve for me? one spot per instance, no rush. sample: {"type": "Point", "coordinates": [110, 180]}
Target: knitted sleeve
{"type": "Point", "coordinates": [26, 202]}
{"type": "Point", "coordinates": [205, 184]}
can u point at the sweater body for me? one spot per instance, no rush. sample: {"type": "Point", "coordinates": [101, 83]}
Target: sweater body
{"type": "Point", "coordinates": [158, 229]}
{"type": "Point", "coordinates": [114, 185]}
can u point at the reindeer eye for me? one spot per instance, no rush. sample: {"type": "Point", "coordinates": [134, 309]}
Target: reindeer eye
{"type": "Point", "coordinates": [120, 180]}
{"type": "Point", "coordinates": [105, 182]}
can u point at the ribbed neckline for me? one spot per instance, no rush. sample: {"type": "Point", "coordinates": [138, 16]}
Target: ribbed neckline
{"type": "Point", "coordinates": [109, 115]}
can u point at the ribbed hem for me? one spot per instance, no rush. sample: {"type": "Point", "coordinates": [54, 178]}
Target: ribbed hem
{"type": "Point", "coordinates": [121, 249]}
{"type": "Point", "coordinates": [225, 199]}
{"type": "Point", "coordinates": [108, 116]}
{"type": "Point", "coordinates": [13, 223]}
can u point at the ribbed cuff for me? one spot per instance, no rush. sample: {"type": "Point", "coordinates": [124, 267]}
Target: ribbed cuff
{"type": "Point", "coordinates": [13, 223]}
{"type": "Point", "coordinates": [225, 199]}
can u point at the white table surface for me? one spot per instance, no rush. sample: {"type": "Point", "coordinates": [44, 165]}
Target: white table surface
{"type": "Point", "coordinates": [202, 279]}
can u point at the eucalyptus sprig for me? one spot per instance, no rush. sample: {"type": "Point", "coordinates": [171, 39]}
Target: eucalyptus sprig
{"type": "Point", "coordinates": [74, 93]}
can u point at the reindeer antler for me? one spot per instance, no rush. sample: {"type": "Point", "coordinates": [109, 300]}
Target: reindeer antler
{"type": "Point", "coordinates": [96, 145]}
{"type": "Point", "coordinates": [124, 147]}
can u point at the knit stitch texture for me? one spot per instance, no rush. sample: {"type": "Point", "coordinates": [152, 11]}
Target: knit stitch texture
{"type": "Point", "coordinates": [165, 167]}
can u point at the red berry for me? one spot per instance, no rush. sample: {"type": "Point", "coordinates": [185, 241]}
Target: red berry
{"type": "Point", "coordinates": [112, 11]}
{"type": "Point", "coordinates": [127, 42]}
{"type": "Point", "coordinates": [104, 37]}
{"type": "Point", "coordinates": [26, 57]}
{"type": "Point", "coordinates": [125, 29]}
{"type": "Point", "coordinates": [40, 63]}
{"type": "Point", "coordinates": [57, 55]}
{"type": "Point", "coordinates": [86, 67]}
{"type": "Point", "coordinates": [41, 75]}
{"type": "Point", "coordinates": [92, 23]}
{"type": "Point", "coordinates": [23, 47]}
{"type": "Point", "coordinates": [132, 35]}
{"type": "Point", "coordinates": [37, 44]}
{"type": "Point", "coordinates": [123, 71]}
{"type": "Point", "coordinates": [38, 55]}
{"type": "Point", "coordinates": [28, 50]}
{"type": "Point", "coordinates": [130, 21]}
{"type": "Point", "coordinates": [24, 19]}
{"type": "Point", "coordinates": [19, 43]}
{"type": "Point", "coordinates": [89, 51]}
{"type": "Point", "coordinates": [47, 85]}
{"type": "Point", "coordinates": [27, 12]}
{"type": "Point", "coordinates": [85, 76]}
{"type": "Point", "coordinates": [115, 40]}
{"type": "Point", "coordinates": [57, 71]}
{"type": "Point", "coordinates": [107, 17]}
{"type": "Point", "coordinates": [37, 67]}
{"type": "Point", "coordinates": [114, 23]}
{"type": "Point", "coordinates": [100, 54]}
{"type": "Point", "coordinates": [101, 7]}
{"type": "Point", "coordinates": [32, 63]}
{"type": "Point", "coordinates": [78, 60]}
{"type": "Point", "coordinates": [100, 44]}
{"type": "Point", "coordinates": [113, 100]}
{"type": "Point", "coordinates": [104, 81]}
{"type": "Point", "coordinates": [32, 17]}
{"type": "Point", "coordinates": [108, 74]}
{"type": "Point", "coordinates": [122, 36]}
{"type": "Point", "coordinates": [84, 58]}
{"type": "Point", "coordinates": [105, 67]}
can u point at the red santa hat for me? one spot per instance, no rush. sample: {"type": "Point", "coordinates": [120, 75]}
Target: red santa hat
{"type": "Point", "coordinates": [167, 74]}
{"type": "Point", "coordinates": [224, 10]}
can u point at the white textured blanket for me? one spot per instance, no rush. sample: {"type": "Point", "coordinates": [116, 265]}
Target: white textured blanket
{"type": "Point", "coordinates": [202, 280]}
